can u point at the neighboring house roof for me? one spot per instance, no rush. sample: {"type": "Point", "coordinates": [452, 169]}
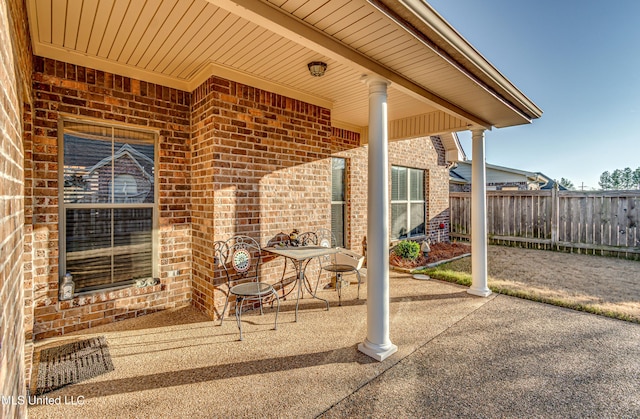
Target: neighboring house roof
{"type": "Point", "coordinates": [456, 178]}
{"type": "Point", "coordinates": [461, 173]}
{"type": "Point", "coordinates": [133, 154]}
{"type": "Point", "coordinates": [551, 183]}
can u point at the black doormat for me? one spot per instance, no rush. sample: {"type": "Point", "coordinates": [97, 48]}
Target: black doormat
{"type": "Point", "coordinates": [72, 363]}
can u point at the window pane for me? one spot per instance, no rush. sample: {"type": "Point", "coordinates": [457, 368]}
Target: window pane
{"type": "Point", "coordinates": [88, 242]}
{"type": "Point", "coordinates": [132, 243]}
{"type": "Point", "coordinates": [417, 224]}
{"type": "Point", "coordinates": [337, 223]}
{"type": "Point", "coordinates": [398, 183]}
{"type": "Point", "coordinates": [133, 173]}
{"type": "Point", "coordinates": [89, 251]}
{"type": "Point", "coordinates": [93, 153]}
{"type": "Point", "coordinates": [106, 165]}
{"type": "Point", "coordinates": [87, 167]}
{"type": "Point", "coordinates": [417, 185]}
{"type": "Point", "coordinates": [337, 179]}
{"type": "Point", "coordinates": [398, 221]}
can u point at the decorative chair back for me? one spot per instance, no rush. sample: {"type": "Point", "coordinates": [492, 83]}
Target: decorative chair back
{"type": "Point", "coordinates": [308, 238]}
{"type": "Point", "coordinates": [325, 238]}
{"type": "Point", "coordinates": [280, 238]}
{"type": "Point", "coordinates": [345, 261]}
{"type": "Point", "coordinates": [349, 257]}
{"type": "Point", "coordinates": [336, 263]}
{"type": "Point", "coordinates": [244, 258]}
{"type": "Point", "coordinates": [221, 257]}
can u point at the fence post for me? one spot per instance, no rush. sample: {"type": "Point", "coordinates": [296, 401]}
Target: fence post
{"type": "Point", "coordinates": [555, 216]}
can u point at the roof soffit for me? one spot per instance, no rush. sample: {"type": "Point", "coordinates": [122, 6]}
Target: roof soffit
{"type": "Point", "coordinates": [293, 28]}
{"type": "Point", "coordinates": [266, 44]}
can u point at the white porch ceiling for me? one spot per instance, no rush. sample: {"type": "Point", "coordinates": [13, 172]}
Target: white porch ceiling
{"type": "Point", "coordinates": [180, 43]}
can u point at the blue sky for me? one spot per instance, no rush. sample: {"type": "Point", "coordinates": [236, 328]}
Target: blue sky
{"type": "Point", "coordinates": [577, 60]}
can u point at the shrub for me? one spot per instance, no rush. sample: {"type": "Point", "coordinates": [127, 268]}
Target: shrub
{"type": "Point", "coordinates": [407, 249]}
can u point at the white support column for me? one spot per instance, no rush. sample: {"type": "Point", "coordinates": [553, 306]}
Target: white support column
{"type": "Point", "coordinates": [377, 345]}
{"type": "Point", "coordinates": [478, 217]}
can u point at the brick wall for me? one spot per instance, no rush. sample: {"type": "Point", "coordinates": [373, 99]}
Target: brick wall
{"type": "Point", "coordinates": [438, 213]}
{"type": "Point", "coordinates": [491, 186]}
{"type": "Point", "coordinates": [500, 186]}
{"type": "Point", "coordinates": [440, 149]}
{"type": "Point", "coordinates": [28, 239]}
{"type": "Point", "coordinates": [233, 160]}
{"type": "Point", "coordinates": [15, 73]}
{"type": "Point", "coordinates": [261, 166]}
{"type": "Point", "coordinates": [458, 187]}
{"type": "Point", "coordinates": [64, 89]}
{"type": "Point", "coordinates": [346, 144]}
{"type": "Point", "coordinates": [425, 153]}
{"type": "Point", "coordinates": [431, 159]}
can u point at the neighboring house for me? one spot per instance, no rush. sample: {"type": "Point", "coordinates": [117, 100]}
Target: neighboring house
{"type": "Point", "coordinates": [127, 174]}
{"type": "Point", "coordinates": [133, 140]}
{"type": "Point", "coordinates": [499, 178]}
{"type": "Point", "coordinates": [551, 184]}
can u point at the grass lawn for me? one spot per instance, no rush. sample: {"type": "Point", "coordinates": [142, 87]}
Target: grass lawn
{"type": "Point", "coordinates": [594, 284]}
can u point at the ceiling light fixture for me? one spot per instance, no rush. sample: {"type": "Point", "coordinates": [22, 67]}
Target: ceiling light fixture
{"type": "Point", "coordinates": [317, 68]}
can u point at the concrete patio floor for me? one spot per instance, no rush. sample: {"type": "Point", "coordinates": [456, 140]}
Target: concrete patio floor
{"type": "Point", "coordinates": [458, 356]}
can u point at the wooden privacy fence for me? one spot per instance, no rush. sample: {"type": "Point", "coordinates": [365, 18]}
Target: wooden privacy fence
{"type": "Point", "coordinates": [589, 222]}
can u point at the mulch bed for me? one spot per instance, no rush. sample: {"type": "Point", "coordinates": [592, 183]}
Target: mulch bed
{"type": "Point", "coordinates": [439, 251]}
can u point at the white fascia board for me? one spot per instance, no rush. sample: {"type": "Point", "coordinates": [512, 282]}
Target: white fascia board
{"type": "Point", "coordinates": [423, 11]}
{"type": "Point", "coordinates": [532, 175]}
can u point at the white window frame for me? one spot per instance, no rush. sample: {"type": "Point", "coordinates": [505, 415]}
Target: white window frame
{"type": "Point", "coordinates": [341, 240]}
{"type": "Point", "coordinates": [410, 201]}
{"type": "Point", "coordinates": [62, 206]}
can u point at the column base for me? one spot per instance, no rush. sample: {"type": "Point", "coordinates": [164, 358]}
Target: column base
{"type": "Point", "coordinates": [377, 352]}
{"type": "Point", "coordinates": [480, 292]}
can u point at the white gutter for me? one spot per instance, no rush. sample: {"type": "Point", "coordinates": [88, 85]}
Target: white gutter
{"type": "Point", "coordinates": [427, 15]}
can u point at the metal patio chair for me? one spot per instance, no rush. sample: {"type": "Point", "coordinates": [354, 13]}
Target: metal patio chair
{"type": "Point", "coordinates": [308, 238]}
{"type": "Point", "coordinates": [344, 262]}
{"type": "Point", "coordinates": [244, 255]}
{"type": "Point", "coordinates": [282, 239]}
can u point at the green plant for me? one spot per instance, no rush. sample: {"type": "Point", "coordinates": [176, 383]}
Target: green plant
{"type": "Point", "coordinates": [407, 249]}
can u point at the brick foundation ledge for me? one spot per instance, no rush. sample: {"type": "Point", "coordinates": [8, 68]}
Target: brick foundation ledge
{"type": "Point", "coordinates": [102, 307]}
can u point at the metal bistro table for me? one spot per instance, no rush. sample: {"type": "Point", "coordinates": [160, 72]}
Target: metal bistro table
{"type": "Point", "coordinates": [299, 255]}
